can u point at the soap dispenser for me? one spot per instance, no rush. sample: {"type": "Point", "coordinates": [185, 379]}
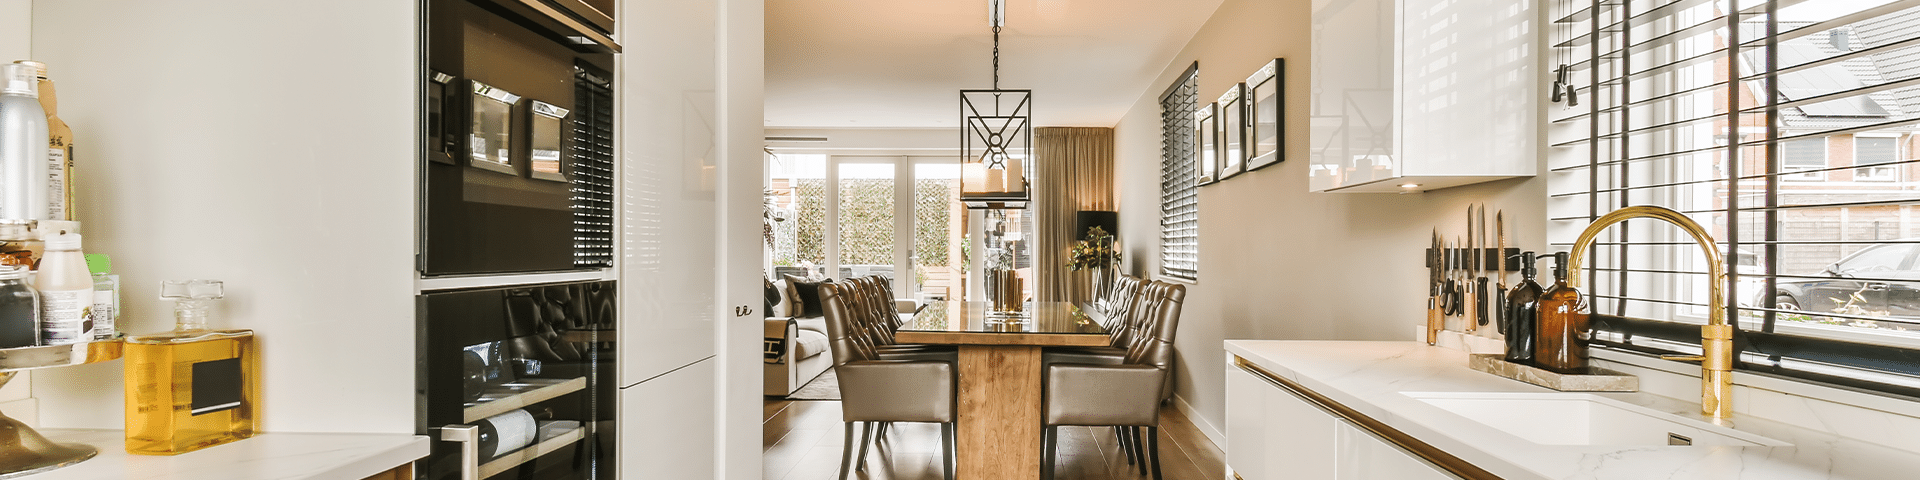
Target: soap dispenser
{"type": "Point", "coordinates": [1520, 320]}
{"type": "Point", "coordinates": [193, 387]}
{"type": "Point", "coordinates": [1561, 343]}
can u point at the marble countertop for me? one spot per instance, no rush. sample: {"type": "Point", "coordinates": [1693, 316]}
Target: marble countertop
{"type": "Point", "coordinates": [1370, 377]}
{"type": "Point", "coordinates": [268, 456]}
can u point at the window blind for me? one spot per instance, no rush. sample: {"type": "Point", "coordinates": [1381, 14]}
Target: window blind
{"type": "Point", "coordinates": [1179, 192]}
{"type": "Point", "coordinates": [1787, 128]}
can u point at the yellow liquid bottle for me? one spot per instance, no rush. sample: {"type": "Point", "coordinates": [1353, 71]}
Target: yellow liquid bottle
{"type": "Point", "coordinates": [192, 387]}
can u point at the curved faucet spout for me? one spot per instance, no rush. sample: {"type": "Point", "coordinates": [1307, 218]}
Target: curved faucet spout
{"type": "Point", "coordinates": [1716, 337]}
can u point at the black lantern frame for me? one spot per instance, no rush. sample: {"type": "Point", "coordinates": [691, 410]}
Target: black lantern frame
{"type": "Point", "coordinates": [996, 148]}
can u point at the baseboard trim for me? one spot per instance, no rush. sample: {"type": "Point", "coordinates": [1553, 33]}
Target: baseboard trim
{"type": "Point", "coordinates": [1206, 428]}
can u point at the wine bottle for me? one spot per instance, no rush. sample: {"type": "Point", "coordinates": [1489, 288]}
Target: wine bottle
{"type": "Point", "coordinates": [506, 432]}
{"type": "Point", "coordinates": [1561, 344]}
{"type": "Point", "coordinates": [1521, 319]}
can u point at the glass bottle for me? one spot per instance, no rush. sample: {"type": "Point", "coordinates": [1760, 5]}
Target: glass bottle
{"type": "Point", "coordinates": [1521, 320]}
{"type": "Point", "coordinates": [1561, 344]}
{"type": "Point", "coordinates": [19, 309]}
{"type": "Point", "coordinates": [192, 387]}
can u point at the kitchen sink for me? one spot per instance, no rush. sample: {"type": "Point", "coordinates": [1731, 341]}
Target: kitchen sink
{"type": "Point", "coordinates": [1586, 419]}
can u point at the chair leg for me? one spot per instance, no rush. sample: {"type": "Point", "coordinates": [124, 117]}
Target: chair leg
{"type": "Point", "coordinates": [1049, 436]}
{"type": "Point", "coordinates": [866, 436]}
{"type": "Point", "coordinates": [946, 447]}
{"type": "Point", "coordinates": [1126, 449]}
{"type": "Point", "coordinates": [846, 452]}
{"type": "Point", "coordinates": [1139, 450]}
{"type": "Point", "coordinates": [1153, 449]}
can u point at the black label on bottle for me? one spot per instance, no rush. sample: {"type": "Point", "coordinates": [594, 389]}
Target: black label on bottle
{"type": "Point", "coordinates": [216, 386]}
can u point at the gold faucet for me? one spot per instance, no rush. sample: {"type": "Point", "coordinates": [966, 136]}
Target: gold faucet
{"type": "Point", "coordinates": [1716, 337]}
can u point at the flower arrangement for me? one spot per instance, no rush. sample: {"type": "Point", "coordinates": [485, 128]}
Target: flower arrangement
{"type": "Point", "coordinates": [1096, 251]}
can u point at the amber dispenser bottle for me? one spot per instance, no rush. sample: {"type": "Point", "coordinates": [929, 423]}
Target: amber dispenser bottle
{"type": "Point", "coordinates": [1523, 302]}
{"type": "Point", "coordinates": [192, 387]}
{"type": "Point", "coordinates": [1561, 340]}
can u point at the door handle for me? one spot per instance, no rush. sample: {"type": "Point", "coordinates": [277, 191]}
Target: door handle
{"type": "Point", "coordinates": [469, 438]}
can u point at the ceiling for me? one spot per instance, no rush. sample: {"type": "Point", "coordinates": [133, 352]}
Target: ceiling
{"type": "Point", "coordinates": [895, 63]}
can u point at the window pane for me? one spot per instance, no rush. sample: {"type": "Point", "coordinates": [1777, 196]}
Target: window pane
{"type": "Point", "coordinates": [866, 219]}
{"type": "Point", "coordinates": [799, 210]}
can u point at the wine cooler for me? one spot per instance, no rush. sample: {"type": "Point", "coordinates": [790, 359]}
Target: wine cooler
{"type": "Point", "coordinates": [519, 382]}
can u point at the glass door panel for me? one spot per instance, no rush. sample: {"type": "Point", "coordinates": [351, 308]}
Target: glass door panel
{"type": "Point", "coordinates": [797, 208]}
{"type": "Point", "coordinates": [938, 256]}
{"type": "Point", "coordinates": [865, 219]}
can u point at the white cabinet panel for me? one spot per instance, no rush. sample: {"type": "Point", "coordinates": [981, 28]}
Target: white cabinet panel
{"type": "Point", "coordinates": [667, 425]}
{"type": "Point", "coordinates": [1429, 94]}
{"type": "Point", "coordinates": [1273, 435]}
{"type": "Point", "coordinates": [1366, 457]}
{"type": "Point", "coordinates": [669, 249]}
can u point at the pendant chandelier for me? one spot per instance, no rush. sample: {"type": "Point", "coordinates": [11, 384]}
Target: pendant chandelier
{"type": "Point", "coordinates": [996, 136]}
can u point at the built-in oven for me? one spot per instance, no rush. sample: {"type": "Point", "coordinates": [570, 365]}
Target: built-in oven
{"type": "Point", "coordinates": [518, 167]}
{"type": "Point", "coordinates": [519, 383]}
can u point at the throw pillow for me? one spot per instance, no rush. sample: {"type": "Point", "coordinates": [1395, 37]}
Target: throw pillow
{"type": "Point", "coordinates": [805, 295]}
{"type": "Point", "coordinates": [771, 295]}
{"type": "Point", "coordinates": [782, 304]}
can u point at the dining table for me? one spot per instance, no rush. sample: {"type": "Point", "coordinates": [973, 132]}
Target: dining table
{"type": "Point", "coordinates": [1000, 370]}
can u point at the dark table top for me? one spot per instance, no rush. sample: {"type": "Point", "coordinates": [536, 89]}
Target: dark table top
{"type": "Point", "coordinates": [971, 323]}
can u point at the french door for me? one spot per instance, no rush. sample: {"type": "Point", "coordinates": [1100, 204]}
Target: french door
{"type": "Point", "coordinates": [846, 216]}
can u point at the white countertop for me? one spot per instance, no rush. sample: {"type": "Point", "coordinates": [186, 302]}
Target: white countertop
{"type": "Point", "coordinates": [268, 456]}
{"type": "Point", "coordinates": [1370, 376]}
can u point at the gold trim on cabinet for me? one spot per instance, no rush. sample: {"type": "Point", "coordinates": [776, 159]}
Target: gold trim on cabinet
{"type": "Point", "coordinates": [1439, 458]}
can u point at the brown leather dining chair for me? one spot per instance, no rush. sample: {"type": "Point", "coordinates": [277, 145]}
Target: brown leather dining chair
{"type": "Point", "coordinates": [1123, 394]}
{"type": "Point", "coordinates": [875, 389]}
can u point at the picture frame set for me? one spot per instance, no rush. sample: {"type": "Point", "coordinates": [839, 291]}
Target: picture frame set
{"type": "Point", "coordinates": [1206, 141]}
{"type": "Point", "coordinates": [1244, 130]}
{"type": "Point", "coordinates": [496, 124]}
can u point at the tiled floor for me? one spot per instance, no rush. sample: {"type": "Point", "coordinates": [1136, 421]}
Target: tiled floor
{"type": "Point", "coordinates": [803, 440]}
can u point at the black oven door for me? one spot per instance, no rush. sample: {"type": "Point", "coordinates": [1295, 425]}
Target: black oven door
{"type": "Point", "coordinates": [500, 169]}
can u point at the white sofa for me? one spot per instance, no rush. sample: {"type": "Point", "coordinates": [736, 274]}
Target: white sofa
{"type": "Point", "coordinates": [796, 353]}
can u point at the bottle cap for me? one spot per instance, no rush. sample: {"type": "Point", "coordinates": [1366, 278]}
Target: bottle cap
{"type": "Point", "coordinates": [98, 263]}
{"type": "Point", "coordinates": [19, 80]}
{"type": "Point", "coordinates": [195, 289]}
{"type": "Point", "coordinates": [12, 272]}
{"type": "Point", "coordinates": [39, 69]}
{"type": "Point", "coordinates": [63, 241]}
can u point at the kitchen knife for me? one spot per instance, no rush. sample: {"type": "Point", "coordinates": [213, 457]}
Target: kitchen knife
{"type": "Point", "coordinates": [1449, 292]}
{"type": "Point", "coordinates": [1472, 264]}
{"type": "Point", "coordinates": [1500, 255]}
{"type": "Point", "coordinates": [1436, 263]}
{"type": "Point", "coordinates": [1481, 299]}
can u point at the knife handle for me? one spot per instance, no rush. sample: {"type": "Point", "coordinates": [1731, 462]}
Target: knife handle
{"type": "Point", "coordinates": [1435, 320]}
{"type": "Point", "coordinates": [1472, 306]}
{"type": "Point", "coordinates": [1481, 299]}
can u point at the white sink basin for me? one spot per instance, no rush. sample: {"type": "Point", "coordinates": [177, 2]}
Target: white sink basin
{"type": "Point", "coordinates": [1585, 419]}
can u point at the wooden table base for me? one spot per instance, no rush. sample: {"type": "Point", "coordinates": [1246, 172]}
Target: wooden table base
{"type": "Point", "coordinates": [999, 431]}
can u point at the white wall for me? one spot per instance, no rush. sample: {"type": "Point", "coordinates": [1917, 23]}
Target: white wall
{"type": "Point", "coordinates": [1277, 262]}
{"type": "Point", "coordinates": [270, 145]}
{"type": "Point", "coordinates": [876, 141]}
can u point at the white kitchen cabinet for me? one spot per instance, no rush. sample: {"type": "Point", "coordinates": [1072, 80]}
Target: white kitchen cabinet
{"type": "Point", "coordinates": [667, 425]}
{"type": "Point", "coordinates": [1363, 456]}
{"type": "Point", "coordinates": [1432, 95]}
{"type": "Point", "coordinates": [1272, 434]}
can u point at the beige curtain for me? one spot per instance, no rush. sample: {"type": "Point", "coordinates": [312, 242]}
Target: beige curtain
{"type": "Point", "coordinates": [1074, 173]}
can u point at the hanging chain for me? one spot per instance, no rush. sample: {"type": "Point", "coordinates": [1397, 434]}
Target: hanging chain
{"type": "Point", "coordinates": [996, 57]}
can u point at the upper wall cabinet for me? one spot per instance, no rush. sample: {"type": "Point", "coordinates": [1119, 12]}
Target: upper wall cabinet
{"type": "Point", "coordinates": [1415, 96]}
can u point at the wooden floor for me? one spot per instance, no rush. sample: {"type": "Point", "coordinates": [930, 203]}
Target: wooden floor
{"type": "Point", "coordinates": [803, 441]}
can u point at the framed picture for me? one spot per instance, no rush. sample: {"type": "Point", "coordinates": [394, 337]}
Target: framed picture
{"type": "Point", "coordinates": [1233, 132]}
{"type": "Point", "coordinates": [490, 142]}
{"type": "Point", "coordinates": [1206, 144]}
{"type": "Point", "coordinates": [1265, 140]}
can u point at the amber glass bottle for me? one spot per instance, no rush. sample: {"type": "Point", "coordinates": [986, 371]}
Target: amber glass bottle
{"type": "Point", "coordinates": [192, 387]}
{"type": "Point", "coordinates": [1561, 343]}
{"type": "Point", "coordinates": [1521, 319]}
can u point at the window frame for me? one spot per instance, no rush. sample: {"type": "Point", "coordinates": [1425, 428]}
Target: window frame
{"type": "Point", "coordinates": [1752, 191]}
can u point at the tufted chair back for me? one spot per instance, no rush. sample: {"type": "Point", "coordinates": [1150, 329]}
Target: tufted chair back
{"type": "Point", "coordinates": [1153, 344]}
{"type": "Point", "coordinates": [844, 336]}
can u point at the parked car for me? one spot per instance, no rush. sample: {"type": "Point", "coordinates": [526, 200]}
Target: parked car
{"type": "Point", "coordinates": [1885, 276]}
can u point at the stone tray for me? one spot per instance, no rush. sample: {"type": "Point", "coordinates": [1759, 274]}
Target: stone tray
{"type": "Point", "coordinates": [1595, 380]}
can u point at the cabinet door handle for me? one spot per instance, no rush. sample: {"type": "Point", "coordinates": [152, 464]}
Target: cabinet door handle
{"type": "Point", "coordinates": [469, 438]}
